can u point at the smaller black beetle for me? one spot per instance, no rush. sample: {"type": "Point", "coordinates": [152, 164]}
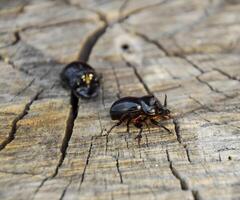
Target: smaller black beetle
{"type": "Point", "coordinates": [81, 79]}
{"type": "Point", "coordinates": [138, 110]}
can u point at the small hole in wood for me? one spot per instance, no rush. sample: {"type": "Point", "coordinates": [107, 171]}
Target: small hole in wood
{"type": "Point", "coordinates": [125, 47]}
{"type": "Point", "coordinates": [229, 157]}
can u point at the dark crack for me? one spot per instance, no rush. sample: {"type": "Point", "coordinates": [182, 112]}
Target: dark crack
{"type": "Point", "coordinates": [62, 23]}
{"type": "Point", "coordinates": [211, 88]}
{"type": "Point", "coordinates": [118, 168]}
{"type": "Point", "coordinates": [83, 56]}
{"type": "Point", "coordinates": [103, 93]}
{"type": "Point", "coordinates": [122, 8]}
{"type": "Point", "coordinates": [65, 190]}
{"type": "Point", "coordinates": [138, 76]}
{"type": "Point", "coordinates": [151, 41]}
{"type": "Point", "coordinates": [39, 187]}
{"type": "Point", "coordinates": [126, 141]}
{"type": "Point", "coordinates": [219, 157]}
{"type": "Point", "coordinates": [100, 123]}
{"type": "Point", "coordinates": [183, 182]}
{"type": "Point", "coordinates": [17, 38]}
{"type": "Point", "coordinates": [92, 39]}
{"type": "Point", "coordinates": [117, 81]}
{"type": "Point", "coordinates": [18, 173]}
{"type": "Point", "coordinates": [138, 10]}
{"type": "Point", "coordinates": [24, 89]}
{"type": "Point", "coordinates": [202, 105]}
{"type": "Point", "coordinates": [86, 164]}
{"type": "Point", "coordinates": [12, 133]}
{"type": "Point", "coordinates": [24, 71]}
{"type": "Point", "coordinates": [208, 11]}
{"type": "Point", "coordinates": [68, 131]}
{"type": "Point", "coordinates": [196, 195]}
{"type": "Point", "coordinates": [191, 63]}
{"type": "Point", "coordinates": [226, 74]}
{"type": "Point", "coordinates": [177, 130]}
{"type": "Point", "coordinates": [179, 138]}
{"type": "Point", "coordinates": [187, 153]}
{"type": "Point", "coordinates": [176, 174]}
{"type": "Point", "coordinates": [106, 144]}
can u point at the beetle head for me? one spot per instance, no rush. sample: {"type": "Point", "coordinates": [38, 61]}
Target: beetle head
{"type": "Point", "coordinates": [162, 110]}
{"type": "Point", "coordinates": [87, 85]}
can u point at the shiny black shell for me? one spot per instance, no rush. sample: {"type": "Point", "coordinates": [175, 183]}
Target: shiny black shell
{"type": "Point", "coordinates": [123, 106]}
{"type": "Point", "coordinates": [133, 106]}
{"type": "Point", "coordinates": [71, 76]}
{"type": "Point", "coordinates": [71, 73]}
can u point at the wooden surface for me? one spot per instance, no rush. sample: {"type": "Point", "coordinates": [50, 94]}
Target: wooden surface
{"type": "Point", "coordinates": [186, 49]}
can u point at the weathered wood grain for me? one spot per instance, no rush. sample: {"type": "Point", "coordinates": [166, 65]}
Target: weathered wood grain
{"type": "Point", "coordinates": [53, 146]}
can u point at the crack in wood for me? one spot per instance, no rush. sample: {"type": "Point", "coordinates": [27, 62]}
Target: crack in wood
{"type": "Point", "coordinates": [23, 89]}
{"type": "Point", "coordinates": [219, 157]}
{"type": "Point", "coordinates": [100, 123]}
{"type": "Point", "coordinates": [122, 8]}
{"type": "Point", "coordinates": [106, 144]}
{"type": "Point", "coordinates": [177, 130]}
{"type": "Point", "coordinates": [151, 41]}
{"type": "Point", "coordinates": [92, 39]}
{"type": "Point", "coordinates": [65, 189]}
{"type": "Point", "coordinates": [138, 10]}
{"type": "Point", "coordinates": [126, 141]}
{"type": "Point", "coordinates": [176, 174]}
{"type": "Point", "coordinates": [210, 87]}
{"type": "Point", "coordinates": [18, 173]}
{"type": "Point", "coordinates": [183, 182]}
{"type": "Point", "coordinates": [117, 82]}
{"type": "Point", "coordinates": [191, 63]}
{"type": "Point", "coordinates": [12, 133]}
{"type": "Point", "coordinates": [17, 37]}
{"type": "Point", "coordinates": [86, 163]}
{"type": "Point", "coordinates": [83, 56]}
{"type": "Point", "coordinates": [118, 168]}
{"type": "Point", "coordinates": [39, 187]}
{"type": "Point", "coordinates": [138, 76]}
{"type": "Point", "coordinates": [103, 94]}
{"type": "Point", "coordinates": [10, 62]}
{"type": "Point", "coordinates": [179, 138]}
{"type": "Point", "coordinates": [208, 11]}
{"type": "Point", "coordinates": [187, 153]}
{"type": "Point", "coordinates": [196, 195]}
{"type": "Point", "coordinates": [226, 74]}
{"type": "Point", "coordinates": [68, 131]}
{"type": "Point", "coordinates": [202, 105]}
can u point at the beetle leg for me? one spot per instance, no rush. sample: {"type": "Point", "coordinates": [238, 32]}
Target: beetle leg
{"type": "Point", "coordinates": [128, 122]}
{"type": "Point", "coordinates": [117, 124]}
{"type": "Point", "coordinates": [160, 125]}
{"type": "Point", "coordinates": [139, 136]}
{"type": "Point", "coordinates": [147, 126]}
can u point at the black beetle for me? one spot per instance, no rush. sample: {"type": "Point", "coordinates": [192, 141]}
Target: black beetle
{"type": "Point", "coordinates": [81, 79]}
{"type": "Point", "coordinates": [138, 110]}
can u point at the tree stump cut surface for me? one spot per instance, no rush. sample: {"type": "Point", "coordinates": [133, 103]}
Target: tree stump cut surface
{"type": "Point", "coordinates": [52, 147]}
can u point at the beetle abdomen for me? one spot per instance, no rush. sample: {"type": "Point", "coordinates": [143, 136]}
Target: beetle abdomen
{"type": "Point", "coordinates": [124, 107]}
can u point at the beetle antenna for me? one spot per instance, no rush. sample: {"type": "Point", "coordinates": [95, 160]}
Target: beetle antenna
{"type": "Point", "coordinates": [165, 101]}
{"type": "Point", "coordinates": [159, 103]}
